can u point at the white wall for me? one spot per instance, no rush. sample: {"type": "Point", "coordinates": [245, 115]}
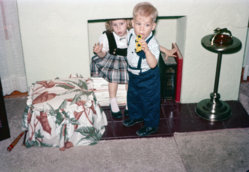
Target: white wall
{"type": "Point", "coordinates": [55, 39]}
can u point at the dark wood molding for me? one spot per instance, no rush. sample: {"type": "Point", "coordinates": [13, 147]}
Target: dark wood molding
{"type": "Point", "coordinates": [242, 73]}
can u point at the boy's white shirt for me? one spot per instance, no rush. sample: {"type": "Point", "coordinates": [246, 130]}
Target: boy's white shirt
{"type": "Point", "coordinates": [120, 41]}
{"type": "Point", "coordinates": [133, 58]}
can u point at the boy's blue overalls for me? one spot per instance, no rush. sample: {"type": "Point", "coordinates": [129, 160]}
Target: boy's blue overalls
{"type": "Point", "coordinates": [143, 96]}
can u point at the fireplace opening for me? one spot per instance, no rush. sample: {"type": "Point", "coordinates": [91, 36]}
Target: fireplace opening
{"type": "Point", "coordinates": [169, 29]}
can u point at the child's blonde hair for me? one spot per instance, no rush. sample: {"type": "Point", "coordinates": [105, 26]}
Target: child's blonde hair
{"type": "Point", "coordinates": [108, 24]}
{"type": "Point", "coordinates": [145, 9]}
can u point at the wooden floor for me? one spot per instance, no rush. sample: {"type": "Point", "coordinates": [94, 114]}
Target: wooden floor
{"type": "Point", "coordinates": [177, 117]}
{"type": "Point", "coordinates": [15, 94]}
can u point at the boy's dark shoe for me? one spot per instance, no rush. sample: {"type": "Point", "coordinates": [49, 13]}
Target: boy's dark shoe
{"type": "Point", "coordinates": [131, 122]}
{"type": "Point", "coordinates": [145, 131]}
{"type": "Point", "coordinates": [116, 115]}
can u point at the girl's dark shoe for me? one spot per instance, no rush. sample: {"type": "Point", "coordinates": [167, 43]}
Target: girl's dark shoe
{"type": "Point", "coordinates": [126, 112]}
{"type": "Point", "coordinates": [116, 115]}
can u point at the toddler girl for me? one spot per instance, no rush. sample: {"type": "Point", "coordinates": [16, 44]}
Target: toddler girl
{"type": "Point", "coordinates": [110, 60]}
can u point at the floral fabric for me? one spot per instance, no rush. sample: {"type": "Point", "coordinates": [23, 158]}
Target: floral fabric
{"type": "Point", "coordinates": [63, 113]}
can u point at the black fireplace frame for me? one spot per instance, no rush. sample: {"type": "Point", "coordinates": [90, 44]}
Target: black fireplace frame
{"type": "Point", "coordinates": [4, 126]}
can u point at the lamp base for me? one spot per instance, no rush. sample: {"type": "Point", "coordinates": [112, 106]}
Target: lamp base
{"type": "Point", "coordinates": [213, 109]}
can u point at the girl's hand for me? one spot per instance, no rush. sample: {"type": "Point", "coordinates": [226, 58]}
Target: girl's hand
{"type": "Point", "coordinates": [97, 48]}
{"type": "Point", "coordinates": [168, 52]}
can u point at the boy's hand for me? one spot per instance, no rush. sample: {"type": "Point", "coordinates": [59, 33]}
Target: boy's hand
{"type": "Point", "coordinates": [150, 58]}
{"type": "Point", "coordinates": [144, 45]}
{"type": "Point", "coordinates": [97, 48]}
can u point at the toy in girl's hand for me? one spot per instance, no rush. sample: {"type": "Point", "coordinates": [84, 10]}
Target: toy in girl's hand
{"type": "Point", "coordinates": [138, 44]}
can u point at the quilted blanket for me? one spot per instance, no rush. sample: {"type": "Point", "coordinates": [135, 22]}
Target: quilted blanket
{"type": "Point", "coordinates": [63, 113]}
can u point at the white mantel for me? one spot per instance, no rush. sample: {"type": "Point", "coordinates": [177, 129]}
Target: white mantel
{"type": "Point", "coordinates": [56, 41]}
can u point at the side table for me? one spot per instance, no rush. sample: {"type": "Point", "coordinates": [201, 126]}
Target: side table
{"type": "Point", "coordinates": [214, 109]}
